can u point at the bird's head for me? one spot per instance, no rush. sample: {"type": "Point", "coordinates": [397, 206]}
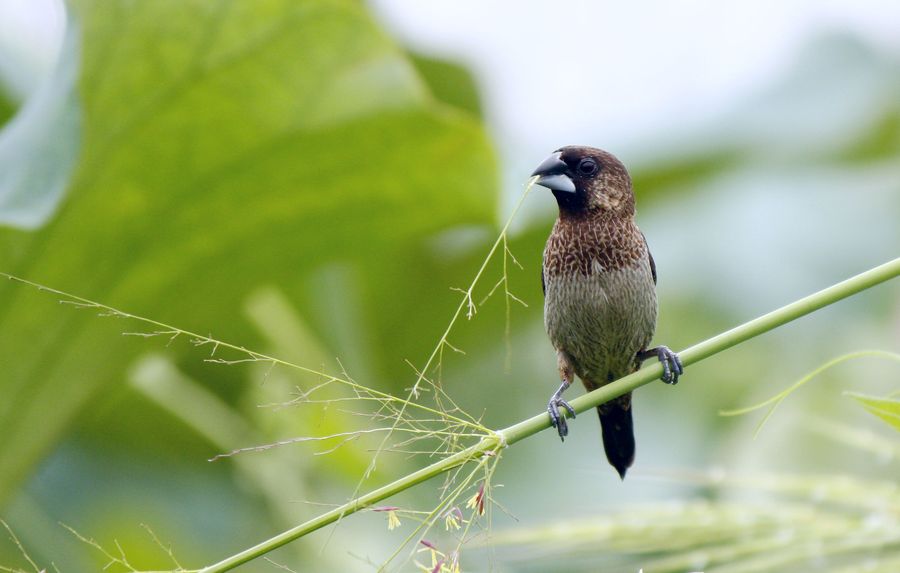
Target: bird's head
{"type": "Point", "coordinates": [587, 180]}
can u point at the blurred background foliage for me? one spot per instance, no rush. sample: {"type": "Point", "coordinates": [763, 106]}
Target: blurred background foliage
{"type": "Point", "coordinates": [290, 177]}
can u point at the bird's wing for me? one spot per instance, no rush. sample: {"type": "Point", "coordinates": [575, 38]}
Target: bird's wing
{"type": "Point", "coordinates": [543, 282]}
{"type": "Point", "coordinates": [652, 262]}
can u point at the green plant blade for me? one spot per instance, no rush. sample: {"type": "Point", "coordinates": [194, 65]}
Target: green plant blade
{"type": "Point", "coordinates": [885, 408]}
{"type": "Point", "coordinates": [217, 138]}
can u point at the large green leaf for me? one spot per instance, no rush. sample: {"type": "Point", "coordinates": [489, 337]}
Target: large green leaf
{"type": "Point", "coordinates": [226, 145]}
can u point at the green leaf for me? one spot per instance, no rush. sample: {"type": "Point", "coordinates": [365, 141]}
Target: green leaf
{"type": "Point", "coordinates": [7, 108]}
{"type": "Point", "coordinates": [885, 408]}
{"type": "Point", "coordinates": [226, 145]}
{"type": "Point", "coordinates": [449, 82]}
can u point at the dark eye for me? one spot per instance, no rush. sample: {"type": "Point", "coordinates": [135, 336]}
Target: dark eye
{"type": "Point", "coordinates": [587, 166]}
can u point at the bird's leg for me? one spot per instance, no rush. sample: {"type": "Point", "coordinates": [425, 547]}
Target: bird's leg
{"type": "Point", "coordinates": [556, 400]}
{"type": "Point", "coordinates": [566, 374]}
{"type": "Point", "coordinates": [671, 363]}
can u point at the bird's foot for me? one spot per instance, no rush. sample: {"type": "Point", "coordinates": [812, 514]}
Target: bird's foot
{"type": "Point", "coordinates": [556, 419]}
{"type": "Point", "coordinates": [671, 363]}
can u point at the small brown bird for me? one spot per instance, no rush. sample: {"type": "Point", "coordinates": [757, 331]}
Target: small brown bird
{"type": "Point", "coordinates": [599, 282]}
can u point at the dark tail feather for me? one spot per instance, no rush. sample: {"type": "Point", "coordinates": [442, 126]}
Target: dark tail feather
{"type": "Point", "coordinates": [618, 433]}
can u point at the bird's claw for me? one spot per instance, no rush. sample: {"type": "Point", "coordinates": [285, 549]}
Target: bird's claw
{"type": "Point", "coordinates": [559, 421]}
{"type": "Point", "coordinates": [671, 363]}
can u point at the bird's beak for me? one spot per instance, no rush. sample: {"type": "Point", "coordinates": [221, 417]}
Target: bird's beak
{"type": "Point", "coordinates": [552, 174]}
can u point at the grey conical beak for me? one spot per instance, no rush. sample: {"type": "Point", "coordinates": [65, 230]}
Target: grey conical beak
{"type": "Point", "coordinates": [552, 174]}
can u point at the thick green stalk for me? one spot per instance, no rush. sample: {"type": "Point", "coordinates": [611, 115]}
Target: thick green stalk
{"type": "Point", "coordinates": [593, 399]}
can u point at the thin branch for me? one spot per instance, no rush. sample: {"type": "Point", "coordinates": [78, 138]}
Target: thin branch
{"type": "Point", "coordinates": [21, 548]}
{"type": "Point", "coordinates": [252, 356]}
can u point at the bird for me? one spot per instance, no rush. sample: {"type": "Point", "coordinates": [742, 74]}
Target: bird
{"type": "Point", "coordinates": [599, 283]}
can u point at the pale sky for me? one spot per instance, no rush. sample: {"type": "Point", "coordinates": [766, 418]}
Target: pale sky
{"type": "Point", "coordinates": [561, 72]}
{"type": "Point", "coordinates": [31, 34]}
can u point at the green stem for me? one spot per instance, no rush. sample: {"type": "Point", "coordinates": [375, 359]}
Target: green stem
{"type": "Point", "coordinates": [717, 344]}
{"type": "Point", "coordinates": [583, 403]}
{"type": "Point", "coordinates": [362, 502]}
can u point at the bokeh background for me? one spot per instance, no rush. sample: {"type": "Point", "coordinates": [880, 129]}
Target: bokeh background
{"type": "Point", "coordinates": [311, 179]}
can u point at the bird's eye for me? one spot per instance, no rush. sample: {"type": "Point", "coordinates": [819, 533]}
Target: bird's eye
{"type": "Point", "coordinates": [587, 166]}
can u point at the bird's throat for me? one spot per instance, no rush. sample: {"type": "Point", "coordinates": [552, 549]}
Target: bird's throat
{"type": "Point", "coordinates": [573, 203]}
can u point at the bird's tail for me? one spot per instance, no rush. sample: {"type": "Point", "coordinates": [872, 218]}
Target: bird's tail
{"type": "Point", "coordinates": [618, 433]}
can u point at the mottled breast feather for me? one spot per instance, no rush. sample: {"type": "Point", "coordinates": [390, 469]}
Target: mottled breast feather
{"type": "Point", "coordinates": [584, 246]}
{"type": "Point", "coordinates": [600, 301]}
